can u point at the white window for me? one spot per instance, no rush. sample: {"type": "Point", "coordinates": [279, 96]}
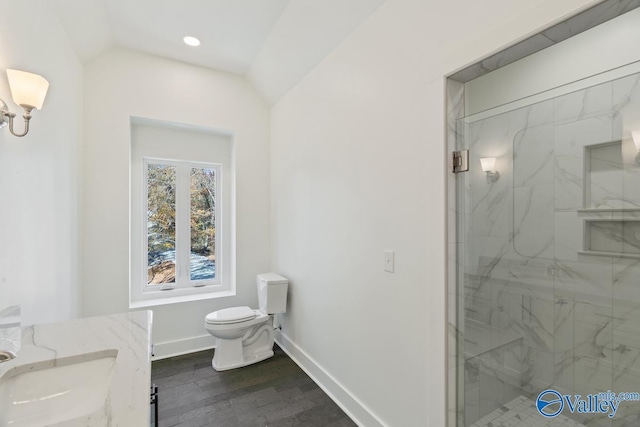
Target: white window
{"type": "Point", "coordinates": [182, 217]}
{"type": "Point", "coordinates": [181, 223]}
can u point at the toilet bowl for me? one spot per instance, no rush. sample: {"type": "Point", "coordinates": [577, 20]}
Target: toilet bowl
{"type": "Point", "coordinates": [244, 335]}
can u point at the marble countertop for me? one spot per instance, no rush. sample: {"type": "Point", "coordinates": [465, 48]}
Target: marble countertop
{"type": "Point", "coordinates": [128, 335]}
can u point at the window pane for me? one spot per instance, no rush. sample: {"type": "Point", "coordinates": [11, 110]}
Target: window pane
{"type": "Point", "coordinates": [203, 224]}
{"type": "Point", "coordinates": [161, 224]}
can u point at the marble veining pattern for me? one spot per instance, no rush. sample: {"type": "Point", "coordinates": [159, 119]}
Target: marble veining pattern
{"type": "Point", "coordinates": [10, 331]}
{"type": "Point", "coordinates": [526, 272]}
{"type": "Point", "coordinates": [533, 156]}
{"type": "Point", "coordinates": [533, 221]}
{"type": "Point", "coordinates": [128, 334]}
{"type": "Point", "coordinates": [582, 104]}
{"type": "Point", "coordinates": [614, 236]}
{"type": "Point", "coordinates": [570, 140]}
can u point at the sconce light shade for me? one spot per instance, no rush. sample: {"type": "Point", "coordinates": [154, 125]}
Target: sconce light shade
{"type": "Point", "coordinates": [488, 164]}
{"type": "Point", "coordinates": [635, 135]}
{"type": "Point", "coordinates": [27, 89]}
{"type": "Point", "coordinates": [636, 138]}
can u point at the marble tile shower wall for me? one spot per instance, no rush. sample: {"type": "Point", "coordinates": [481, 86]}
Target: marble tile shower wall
{"type": "Point", "coordinates": [456, 194]}
{"type": "Point", "coordinates": [577, 315]}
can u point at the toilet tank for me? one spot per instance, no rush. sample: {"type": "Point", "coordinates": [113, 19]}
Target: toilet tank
{"type": "Point", "coordinates": [272, 293]}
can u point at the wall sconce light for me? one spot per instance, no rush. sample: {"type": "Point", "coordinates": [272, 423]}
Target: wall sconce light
{"type": "Point", "coordinates": [488, 165]}
{"type": "Point", "coordinates": [28, 90]}
{"type": "Point", "coordinates": [636, 140]}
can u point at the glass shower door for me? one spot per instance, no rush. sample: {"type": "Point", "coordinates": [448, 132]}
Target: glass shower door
{"type": "Point", "coordinates": [549, 258]}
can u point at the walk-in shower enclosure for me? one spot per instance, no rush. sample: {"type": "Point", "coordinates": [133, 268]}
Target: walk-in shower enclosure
{"type": "Point", "coordinates": [544, 246]}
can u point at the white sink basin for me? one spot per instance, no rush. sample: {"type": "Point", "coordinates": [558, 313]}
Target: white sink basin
{"type": "Point", "coordinates": [42, 394]}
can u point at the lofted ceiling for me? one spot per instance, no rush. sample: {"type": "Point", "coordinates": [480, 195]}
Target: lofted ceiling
{"type": "Point", "coordinates": [274, 42]}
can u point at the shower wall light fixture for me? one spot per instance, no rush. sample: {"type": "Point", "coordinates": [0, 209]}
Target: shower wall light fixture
{"type": "Point", "coordinates": [636, 140]}
{"type": "Point", "coordinates": [488, 165]}
{"type": "Point", "coordinates": [28, 90]}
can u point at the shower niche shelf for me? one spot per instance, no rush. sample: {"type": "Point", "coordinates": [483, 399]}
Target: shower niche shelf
{"type": "Point", "coordinates": [608, 254]}
{"type": "Point", "coordinates": [610, 214]}
{"type": "Point", "coordinates": [614, 237]}
{"type": "Point", "coordinates": [612, 231]}
{"type": "Point", "coordinates": [609, 169]}
{"type": "Point", "coordinates": [609, 210]}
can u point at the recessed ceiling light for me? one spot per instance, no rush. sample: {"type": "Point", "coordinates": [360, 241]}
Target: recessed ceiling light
{"type": "Point", "coordinates": [191, 41]}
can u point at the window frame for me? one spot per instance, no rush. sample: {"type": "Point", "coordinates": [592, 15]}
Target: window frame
{"type": "Point", "coordinates": [183, 225]}
{"type": "Point", "coordinates": [177, 142]}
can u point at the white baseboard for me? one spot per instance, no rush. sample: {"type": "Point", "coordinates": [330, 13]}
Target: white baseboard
{"type": "Point", "coordinates": [350, 404]}
{"type": "Point", "coordinates": [167, 349]}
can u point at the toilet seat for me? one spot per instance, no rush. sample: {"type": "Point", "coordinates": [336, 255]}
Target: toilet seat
{"type": "Point", "coordinates": [229, 316]}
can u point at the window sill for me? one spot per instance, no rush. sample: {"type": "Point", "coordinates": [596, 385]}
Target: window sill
{"type": "Point", "coordinates": [157, 300]}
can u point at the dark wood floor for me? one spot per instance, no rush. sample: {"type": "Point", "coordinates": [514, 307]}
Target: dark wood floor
{"type": "Point", "coordinates": [274, 393]}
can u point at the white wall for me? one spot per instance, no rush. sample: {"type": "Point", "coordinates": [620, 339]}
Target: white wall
{"type": "Point", "coordinates": [39, 173]}
{"type": "Point", "coordinates": [606, 47]}
{"type": "Point", "coordinates": [303, 35]}
{"type": "Point", "coordinates": [358, 166]}
{"type": "Point", "coordinates": [120, 84]}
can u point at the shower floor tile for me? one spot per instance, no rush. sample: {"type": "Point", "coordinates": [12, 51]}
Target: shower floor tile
{"type": "Point", "coordinates": [521, 412]}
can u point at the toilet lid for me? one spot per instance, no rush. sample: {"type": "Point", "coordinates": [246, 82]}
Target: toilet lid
{"type": "Point", "coordinates": [231, 315]}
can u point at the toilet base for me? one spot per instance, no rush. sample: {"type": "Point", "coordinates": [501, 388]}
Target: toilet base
{"type": "Point", "coordinates": [236, 353]}
{"type": "Point", "coordinates": [255, 359]}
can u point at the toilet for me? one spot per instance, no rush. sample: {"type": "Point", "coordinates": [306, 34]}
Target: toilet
{"type": "Point", "coordinates": [245, 335]}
